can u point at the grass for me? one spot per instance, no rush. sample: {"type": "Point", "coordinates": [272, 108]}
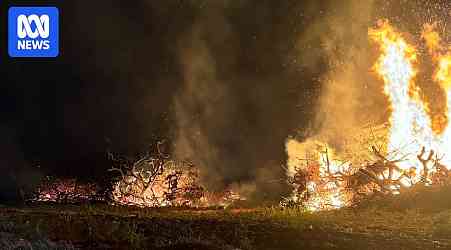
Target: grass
{"type": "Point", "coordinates": [401, 223]}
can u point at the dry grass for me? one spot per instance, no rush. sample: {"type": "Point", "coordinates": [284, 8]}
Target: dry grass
{"type": "Point", "coordinates": [378, 225]}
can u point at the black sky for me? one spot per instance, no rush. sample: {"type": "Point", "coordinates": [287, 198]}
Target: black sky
{"type": "Point", "coordinates": [113, 83]}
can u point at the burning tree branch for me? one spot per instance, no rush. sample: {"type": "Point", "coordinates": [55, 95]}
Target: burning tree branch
{"type": "Point", "coordinates": [156, 181]}
{"type": "Point", "coordinates": [324, 182]}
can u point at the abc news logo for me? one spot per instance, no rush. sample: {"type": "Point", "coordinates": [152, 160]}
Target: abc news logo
{"type": "Point", "coordinates": [24, 30]}
{"type": "Point", "coordinates": [33, 32]}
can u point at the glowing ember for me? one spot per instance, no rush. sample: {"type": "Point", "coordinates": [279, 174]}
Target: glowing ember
{"type": "Point", "coordinates": [148, 182]}
{"type": "Point", "coordinates": [319, 184]}
{"type": "Point", "coordinates": [66, 191]}
{"type": "Point", "coordinates": [160, 182]}
{"type": "Point", "coordinates": [157, 183]}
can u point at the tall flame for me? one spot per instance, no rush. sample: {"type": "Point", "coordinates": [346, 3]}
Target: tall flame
{"type": "Point", "coordinates": [410, 125]}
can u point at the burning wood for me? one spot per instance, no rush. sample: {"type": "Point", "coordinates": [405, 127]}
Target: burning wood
{"type": "Point", "coordinates": [66, 191]}
{"type": "Point", "coordinates": [319, 185]}
{"type": "Point", "coordinates": [151, 181]}
{"type": "Point", "coordinates": [416, 151]}
{"type": "Point", "coordinates": [158, 181]}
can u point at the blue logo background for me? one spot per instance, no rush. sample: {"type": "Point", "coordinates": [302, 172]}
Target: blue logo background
{"type": "Point", "coordinates": [53, 39]}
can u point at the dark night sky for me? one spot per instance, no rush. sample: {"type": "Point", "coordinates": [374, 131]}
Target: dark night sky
{"type": "Point", "coordinates": [113, 83]}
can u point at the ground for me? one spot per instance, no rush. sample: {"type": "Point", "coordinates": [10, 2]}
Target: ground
{"type": "Point", "coordinates": [400, 225]}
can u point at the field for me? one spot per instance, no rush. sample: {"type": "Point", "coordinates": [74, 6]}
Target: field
{"type": "Point", "coordinates": [423, 222]}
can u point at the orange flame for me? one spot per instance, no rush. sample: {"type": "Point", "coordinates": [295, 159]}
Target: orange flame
{"type": "Point", "coordinates": [410, 125]}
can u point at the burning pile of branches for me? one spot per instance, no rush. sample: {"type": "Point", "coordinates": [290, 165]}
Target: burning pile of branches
{"type": "Point", "coordinates": [151, 181]}
{"type": "Point", "coordinates": [154, 181]}
{"type": "Point", "coordinates": [415, 151]}
{"type": "Point", "coordinates": [66, 191]}
{"type": "Point", "coordinates": [158, 181]}
{"type": "Point", "coordinates": [327, 183]}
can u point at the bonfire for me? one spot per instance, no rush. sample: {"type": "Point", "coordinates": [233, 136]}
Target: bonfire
{"type": "Point", "coordinates": [159, 181]}
{"type": "Point", "coordinates": [415, 144]}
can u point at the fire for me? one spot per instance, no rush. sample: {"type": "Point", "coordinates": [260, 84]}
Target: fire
{"type": "Point", "coordinates": [411, 128]}
{"type": "Point", "coordinates": [318, 182]}
{"type": "Point", "coordinates": [154, 180]}
{"type": "Point", "coordinates": [412, 132]}
{"type": "Point", "coordinates": [66, 191]}
{"type": "Point", "coordinates": [327, 190]}
{"type": "Point", "coordinates": [150, 182]}
{"type": "Point", "coordinates": [410, 125]}
{"type": "Point", "coordinates": [161, 182]}
{"type": "Point", "coordinates": [166, 186]}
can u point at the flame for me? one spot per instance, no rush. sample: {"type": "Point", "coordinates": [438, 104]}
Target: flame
{"type": "Point", "coordinates": [411, 128]}
{"type": "Point", "coordinates": [328, 191]}
{"type": "Point", "coordinates": [442, 59]}
{"type": "Point", "coordinates": [176, 184]}
{"type": "Point", "coordinates": [411, 131]}
{"type": "Point", "coordinates": [431, 37]}
{"type": "Point", "coordinates": [410, 125]}
{"type": "Point", "coordinates": [320, 186]}
{"type": "Point", "coordinates": [66, 191]}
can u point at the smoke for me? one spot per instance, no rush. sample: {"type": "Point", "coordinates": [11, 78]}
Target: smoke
{"type": "Point", "coordinates": [207, 109]}
{"type": "Point", "coordinates": [231, 122]}
{"type": "Point", "coordinates": [351, 98]}
{"type": "Point", "coordinates": [212, 111]}
{"type": "Point", "coordinates": [203, 105]}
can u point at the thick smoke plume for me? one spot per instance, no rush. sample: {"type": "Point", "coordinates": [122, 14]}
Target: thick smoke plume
{"type": "Point", "coordinates": [229, 122]}
{"type": "Point", "coordinates": [203, 105]}
{"type": "Point", "coordinates": [352, 100]}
